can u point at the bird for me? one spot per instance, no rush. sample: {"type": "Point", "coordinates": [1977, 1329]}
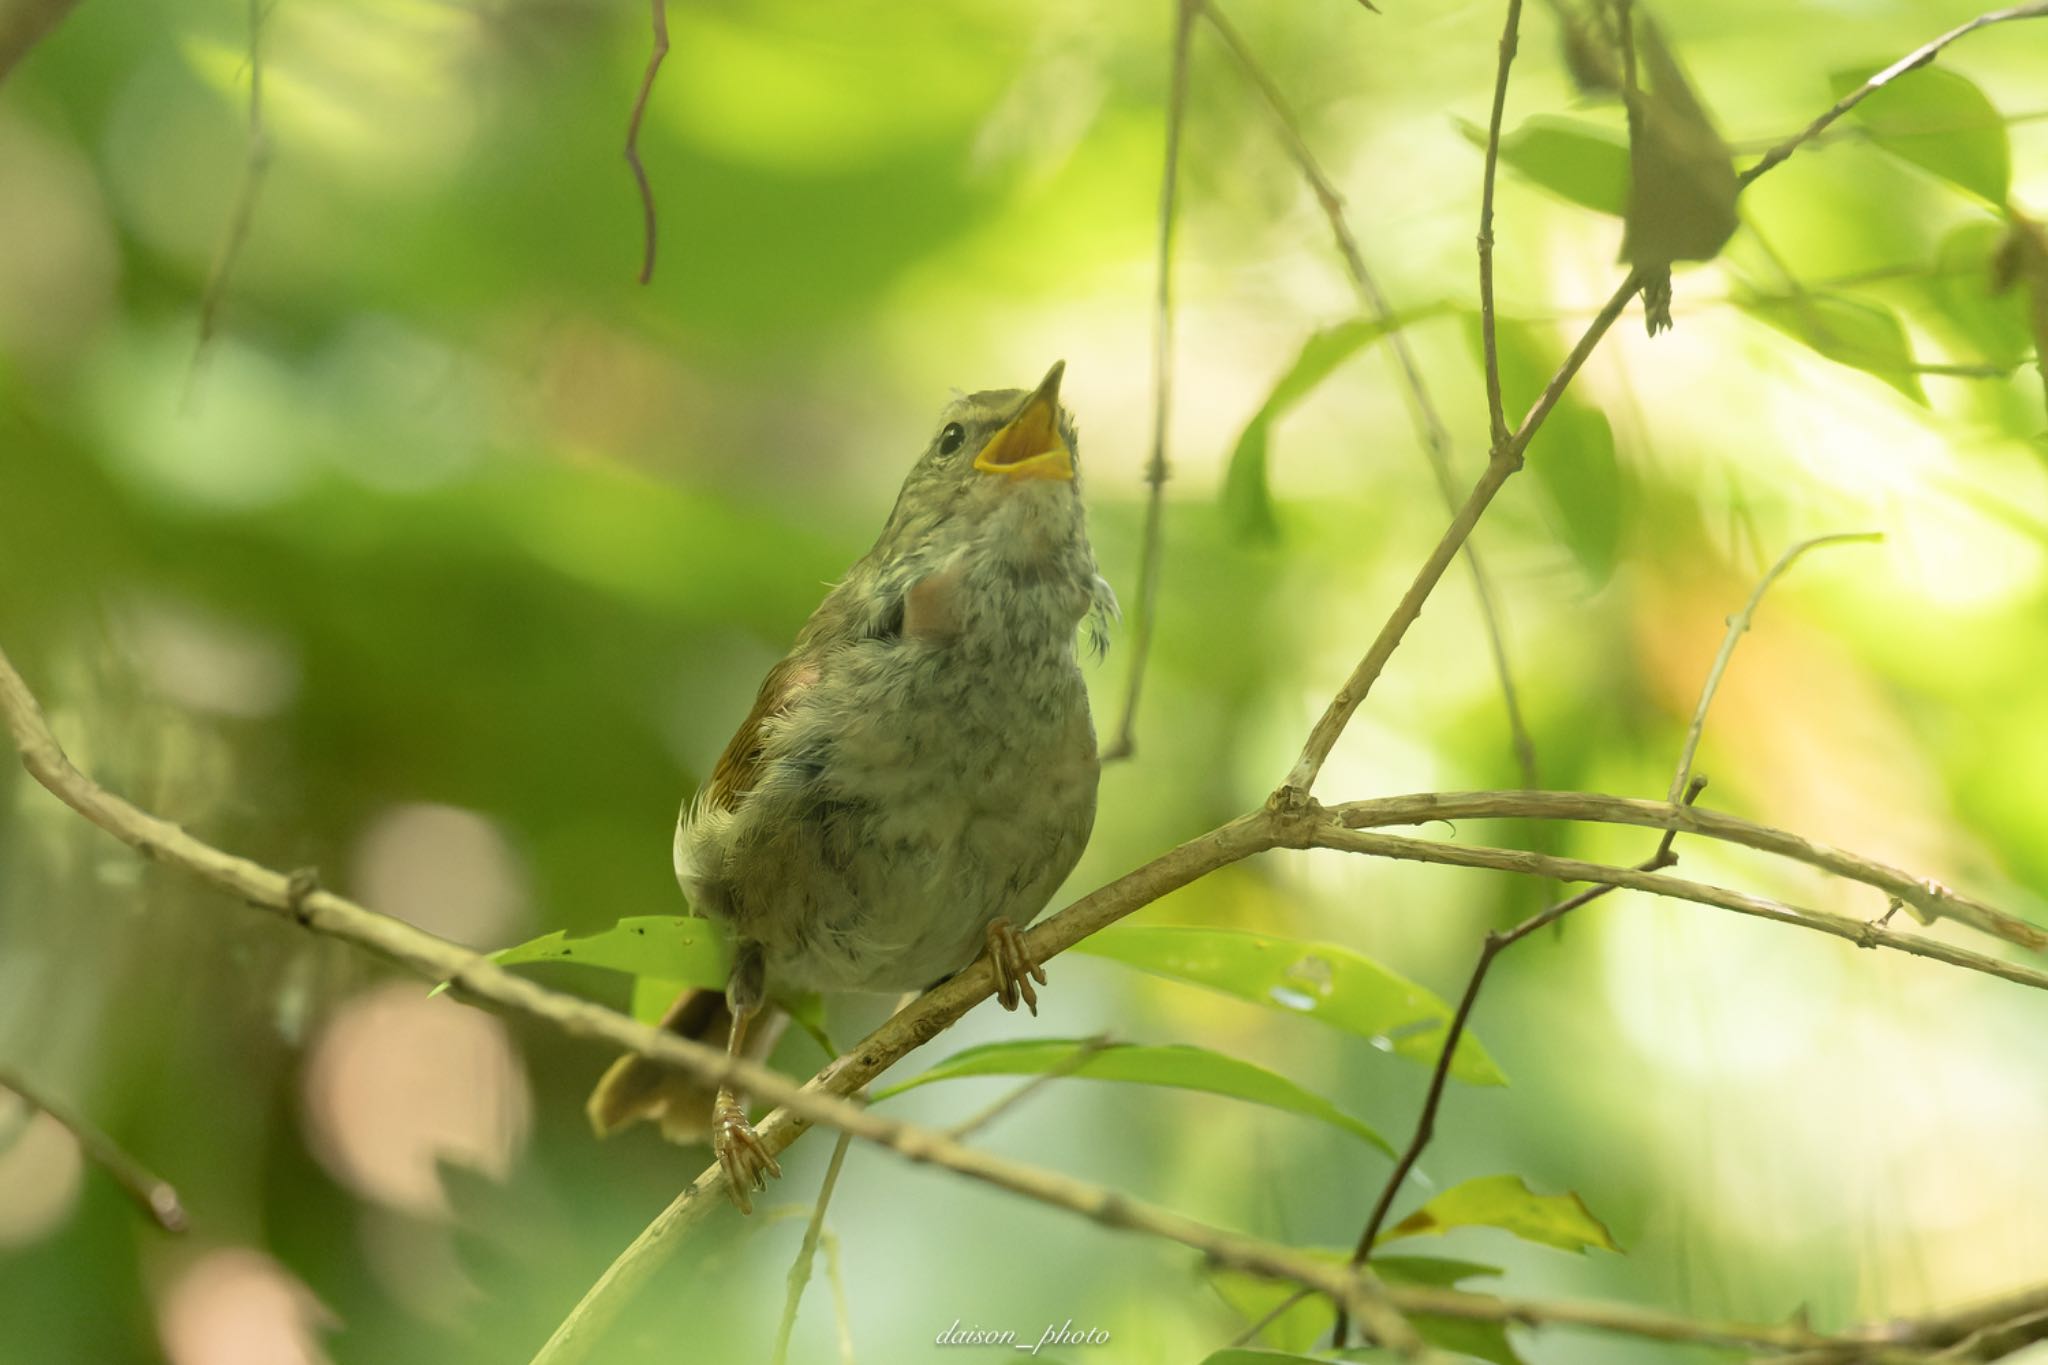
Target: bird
{"type": "Point", "coordinates": [917, 775]}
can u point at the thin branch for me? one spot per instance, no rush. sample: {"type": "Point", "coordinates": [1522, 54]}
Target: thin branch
{"type": "Point", "coordinates": [151, 1193]}
{"type": "Point", "coordinates": [1737, 624]}
{"type": "Point", "coordinates": [800, 1270]}
{"type": "Point", "coordinates": [835, 1275]}
{"type": "Point", "coordinates": [1425, 1124]}
{"type": "Point", "coordinates": [649, 221]}
{"type": "Point", "coordinates": [243, 214]}
{"type": "Point", "coordinates": [1152, 546]}
{"type": "Point", "coordinates": [1862, 933]}
{"type": "Point", "coordinates": [1429, 424]}
{"type": "Point", "coordinates": [1929, 899]}
{"type": "Point", "coordinates": [1918, 57]}
{"type": "Point", "coordinates": [1496, 413]}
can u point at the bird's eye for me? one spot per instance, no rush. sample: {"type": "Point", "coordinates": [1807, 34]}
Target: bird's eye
{"type": "Point", "coordinates": [951, 437]}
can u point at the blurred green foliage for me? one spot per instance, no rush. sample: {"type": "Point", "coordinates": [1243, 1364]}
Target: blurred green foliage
{"type": "Point", "coordinates": [449, 563]}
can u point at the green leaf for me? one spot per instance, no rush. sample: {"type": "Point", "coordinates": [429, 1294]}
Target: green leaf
{"type": "Point", "coordinates": [1682, 186]}
{"type": "Point", "coordinates": [1301, 1327]}
{"type": "Point", "coordinates": [678, 950]}
{"type": "Point", "coordinates": [1176, 1065]}
{"type": "Point", "coordinates": [652, 995]}
{"type": "Point", "coordinates": [1573, 456]}
{"type": "Point", "coordinates": [1862, 335]}
{"type": "Point", "coordinates": [1322, 981]}
{"type": "Point", "coordinates": [1581, 163]}
{"type": "Point", "coordinates": [1506, 1202]}
{"type": "Point", "coordinates": [1247, 492]}
{"type": "Point", "coordinates": [1941, 122]}
{"type": "Point", "coordinates": [1960, 297]}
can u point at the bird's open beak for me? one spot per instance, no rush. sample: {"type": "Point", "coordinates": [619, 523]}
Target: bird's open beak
{"type": "Point", "coordinates": [1031, 446]}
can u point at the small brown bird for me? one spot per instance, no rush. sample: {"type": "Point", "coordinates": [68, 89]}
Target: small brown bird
{"type": "Point", "coordinates": [916, 778]}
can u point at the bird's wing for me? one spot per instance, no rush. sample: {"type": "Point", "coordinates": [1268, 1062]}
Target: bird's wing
{"type": "Point", "coordinates": [733, 775]}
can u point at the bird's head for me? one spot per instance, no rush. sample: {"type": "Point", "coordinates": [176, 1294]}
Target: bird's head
{"type": "Point", "coordinates": [1001, 472]}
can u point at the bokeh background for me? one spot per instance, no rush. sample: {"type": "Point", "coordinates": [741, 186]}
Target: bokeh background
{"type": "Point", "coordinates": [451, 560]}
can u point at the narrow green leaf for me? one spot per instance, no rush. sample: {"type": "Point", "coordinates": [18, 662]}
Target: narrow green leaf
{"type": "Point", "coordinates": [1862, 335]}
{"type": "Point", "coordinates": [1247, 491]}
{"type": "Point", "coordinates": [677, 949]}
{"type": "Point", "coordinates": [1506, 1202]}
{"type": "Point", "coordinates": [1322, 981]}
{"type": "Point", "coordinates": [1941, 122]}
{"type": "Point", "coordinates": [1175, 1065]}
{"type": "Point", "coordinates": [1573, 456]}
{"type": "Point", "coordinates": [1581, 163]}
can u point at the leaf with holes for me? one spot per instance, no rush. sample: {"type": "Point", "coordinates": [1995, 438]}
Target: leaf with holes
{"type": "Point", "coordinates": [1177, 1066]}
{"type": "Point", "coordinates": [1506, 1202]}
{"type": "Point", "coordinates": [1941, 122]}
{"type": "Point", "coordinates": [674, 950]}
{"type": "Point", "coordinates": [1322, 981]}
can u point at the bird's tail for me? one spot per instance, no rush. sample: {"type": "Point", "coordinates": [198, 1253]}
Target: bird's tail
{"type": "Point", "coordinates": [634, 1088]}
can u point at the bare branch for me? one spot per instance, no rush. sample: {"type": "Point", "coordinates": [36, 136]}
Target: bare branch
{"type": "Point", "coordinates": [1737, 624]}
{"type": "Point", "coordinates": [1429, 425]}
{"type": "Point", "coordinates": [800, 1270]}
{"type": "Point", "coordinates": [1918, 57]}
{"type": "Point", "coordinates": [1929, 899]}
{"type": "Point", "coordinates": [649, 222]}
{"type": "Point", "coordinates": [151, 1193]}
{"type": "Point", "coordinates": [244, 211]}
{"type": "Point", "coordinates": [1144, 617]}
{"type": "Point", "coordinates": [1862, 933]}
{"type": "Point", "coordinates": [1496, 414]}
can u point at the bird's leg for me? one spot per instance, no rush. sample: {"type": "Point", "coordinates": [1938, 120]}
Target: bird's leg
{"type": "Point", "coordinates": [1015, 967]}
{"type": "Point", "coordinates": [747, 1161]}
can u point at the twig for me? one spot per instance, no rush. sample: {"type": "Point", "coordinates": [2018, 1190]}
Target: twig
{"type": "Point", "coordinates": [1862, 933]}
{"type": "Point", "coordinates": [835, 1275]}
{"type": "Point", "coordinates": [648, 219]}
{"type": "Point", "coordinates": [1429, 425]}
{"type": "Point", "coordinates": [1739, 623]}
{"type": "Point", "coordinates": [800, 1270]}
{"type": "Point", "coordinates": [1494, 944]}
{"type": "Point", "coordinates": [1144, 617]}
{"type": "Point", "coordinates": [1918, 57]}
{"type": "Point", "coordinates": [1496, 412]}
{"type": "Point", "coordinates": [1066, 1066]}
{"type": "Point", "coordinates": [244, 211]}
{"type": "Point", "coordinates": [151, 1193]}
{"type": "Point", "coordinates": [1930, 899]}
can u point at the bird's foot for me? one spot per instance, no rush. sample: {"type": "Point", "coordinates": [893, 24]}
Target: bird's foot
{"type": "Point", "coordinates": [745, 1158]}
{"type": "Point", "coordinates": [1015, 967]}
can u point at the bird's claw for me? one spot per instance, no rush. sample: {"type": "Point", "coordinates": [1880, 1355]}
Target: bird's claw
{"type": "Point", "coordinates": [746, 1160]}
{"type": "Point", "coordinates": [1015, 968]}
